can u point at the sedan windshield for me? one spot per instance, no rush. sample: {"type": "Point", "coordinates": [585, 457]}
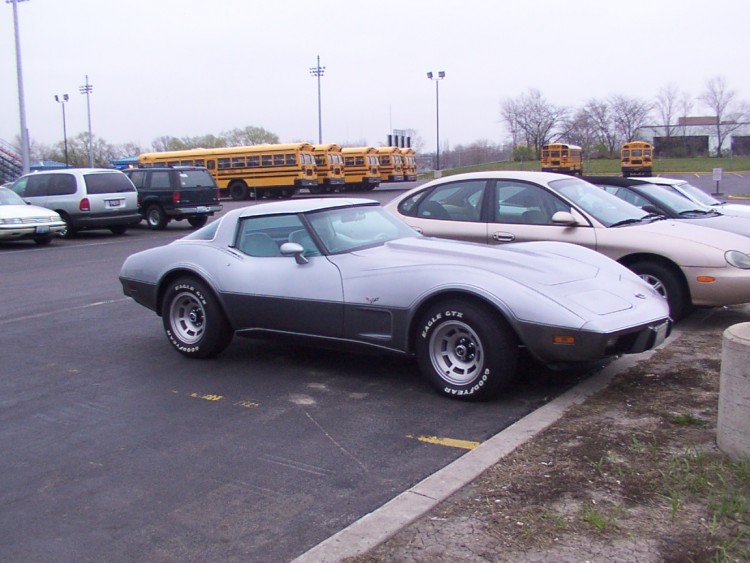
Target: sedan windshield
{"type": "Point", "coordinates": [675, 202]}
{"type": "Point", "coordinates": [697, 194]}
{"type": "Point", "coordinates": [604, 207]}
{"type": "Point", "coordinates": [351, 228]}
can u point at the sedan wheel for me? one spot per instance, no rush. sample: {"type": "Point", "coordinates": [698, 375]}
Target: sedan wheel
{"type": "Point", "coordinates": [464, 351]}
{"type": "Point", "coordinates": [667, 284]}
{"type": "Point", "coordinates": [194, 321]}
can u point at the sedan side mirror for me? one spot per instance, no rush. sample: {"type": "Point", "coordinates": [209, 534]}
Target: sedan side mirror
{"type": "Point", "coordinates": [564, 218]}
{"type": "Point", "coordinates": [294, 249]}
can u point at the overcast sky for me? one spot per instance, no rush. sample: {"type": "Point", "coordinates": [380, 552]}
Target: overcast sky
{"type": "Point", "coordinates": [195, 67]}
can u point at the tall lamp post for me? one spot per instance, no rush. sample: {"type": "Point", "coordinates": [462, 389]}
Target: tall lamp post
{"type": "Point", "coordinates": [437, 80]}
{"type": "Point", "coordinates": [87, 89]}
{"type": "Point", "coordinates": [318, 71]}
{"type": "Point", "coordinates": [21, 103]}
{"type": "Point", "coordinates": [65, 129]}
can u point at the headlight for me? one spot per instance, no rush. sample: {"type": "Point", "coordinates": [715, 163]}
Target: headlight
{"type": "Point", "coordinates": [737, 259]}
{"type": "Point", "coordinates": [13, 221]}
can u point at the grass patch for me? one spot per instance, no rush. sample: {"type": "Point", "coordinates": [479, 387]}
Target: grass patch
{"type": "Point", "coordinates": [702, 165]}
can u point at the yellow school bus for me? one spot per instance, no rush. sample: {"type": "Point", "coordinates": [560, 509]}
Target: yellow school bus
{"type": "Point", "coordinates": [390, 164]}
{"type": "Point", "coordinates": [409, 164]}
{"type": "Point", "coordinates": [361, 169]}
{"type": "Point", "coordinates": [560, 157]}
{"type": "Point", "coordinates": [330, 166]}
{"type": "Point", "coordinates": [255, 171]}
{"type": "Point", "coordinates": [637, 159]}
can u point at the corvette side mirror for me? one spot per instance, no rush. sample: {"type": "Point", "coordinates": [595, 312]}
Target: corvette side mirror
{"type": "Point", "coordinates": [296, 250]}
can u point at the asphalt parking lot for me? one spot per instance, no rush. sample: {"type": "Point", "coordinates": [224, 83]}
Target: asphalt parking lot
{"type": "Point", "coordinates": [117, 448]}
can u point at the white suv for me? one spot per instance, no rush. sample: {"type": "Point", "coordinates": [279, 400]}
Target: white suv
{"type": "Point", "coordinates": [86, 198]}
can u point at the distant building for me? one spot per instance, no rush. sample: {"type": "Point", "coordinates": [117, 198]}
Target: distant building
{"type": "Point", "coordinates": [696, 136]}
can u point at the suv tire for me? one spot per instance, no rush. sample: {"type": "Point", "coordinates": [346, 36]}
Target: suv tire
{"type": "Point", "coordinates": [156, 219]}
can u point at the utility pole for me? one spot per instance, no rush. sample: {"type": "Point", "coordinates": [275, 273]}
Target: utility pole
{"type": "Point", "coordinates": [318, 71]}
{"type": "Point", "coordinates": [87, 89]}
{"type": "Point", "coordinates": [21, 103]}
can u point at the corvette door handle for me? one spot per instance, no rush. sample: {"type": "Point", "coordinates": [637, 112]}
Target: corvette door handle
{"type": "Point", "coordinates": [504, 237]}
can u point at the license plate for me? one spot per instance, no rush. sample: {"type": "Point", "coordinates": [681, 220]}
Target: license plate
{"type": "Point", "coordinates": [42, 230]}
{"type": "Point", "coordinates": [661, 333]}
{"type": "Point", "coordinates": [202, 209]}
{"type": "Point", "coordinates": [114, 202]}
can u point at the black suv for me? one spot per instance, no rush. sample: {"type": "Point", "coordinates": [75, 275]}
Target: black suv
{"type": "Point", "coordinates": [175, 193]}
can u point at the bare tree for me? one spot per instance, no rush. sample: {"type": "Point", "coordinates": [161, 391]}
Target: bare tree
{"type": "Point", "coordinates": [685, 107]}
{"type": "Point", "coordinates": [729, 114]}
{"type": "Point", "coordinates": [580, 130]}
{"type": "Point", "coordinates": [666, 108]}
{"type": "Point", "coordinates": [533, 117]}
{"type": "Point", "coordinates": [630, 115]}
{"type": "Point", "coordinates": [603, 121]}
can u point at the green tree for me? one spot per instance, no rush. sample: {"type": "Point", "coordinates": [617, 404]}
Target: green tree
{"type": "Point", "coordinates": [248, 136]}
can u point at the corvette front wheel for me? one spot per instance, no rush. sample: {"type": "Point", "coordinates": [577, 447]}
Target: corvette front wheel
{"type": "Point", "coordinates": [193, 320]}
{"type": "Point", "coordinates": [464, 351]}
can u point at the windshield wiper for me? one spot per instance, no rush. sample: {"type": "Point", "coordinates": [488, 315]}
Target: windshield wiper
{"type": "Point", "coordinates": [631, 221]}
{"type": "Point", "coordinates": [626, 222]}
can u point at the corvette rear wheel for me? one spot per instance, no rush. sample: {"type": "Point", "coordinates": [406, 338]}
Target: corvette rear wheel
{"type": "Point", "coordinates": [464, 351]}
{"type": "Point", "coordinates": [194, 321]}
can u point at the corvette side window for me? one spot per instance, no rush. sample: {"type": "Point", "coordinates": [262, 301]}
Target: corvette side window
{"type": "Point", "coordinates": [263, 236]}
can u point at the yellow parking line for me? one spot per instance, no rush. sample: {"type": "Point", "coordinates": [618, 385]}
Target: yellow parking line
{"type": "Point", "coordinates": [450, 442]}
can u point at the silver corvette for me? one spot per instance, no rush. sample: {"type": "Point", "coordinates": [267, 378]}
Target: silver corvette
{"type": "Point", "coordinates": [346, 272]}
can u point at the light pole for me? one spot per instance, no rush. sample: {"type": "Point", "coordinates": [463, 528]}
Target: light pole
{"type": "Point", "coordinates": [437, 80]}
{"type": "Point", "coordinates": [318, 71]}
{"type": "Point", "coordinates": [21, 104]}
{"type": "Point", "coordinates": [65, 129]}
{"type": "Point", "coordinates": [87, 89]}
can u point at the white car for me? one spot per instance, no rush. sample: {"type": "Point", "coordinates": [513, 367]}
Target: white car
{"type": "Point", "coordinates": [19, 221]}
{"type": "Point", "coordinates": [688, 264]}
{"type": "Point", "coordinates": [688, 190]}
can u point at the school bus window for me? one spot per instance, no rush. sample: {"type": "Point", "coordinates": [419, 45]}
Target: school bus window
{"type": "Point", "coordinates": [224, 163]}
{"type": "Point", "coordinates": [238, 162]}
{"type": "Point", "coordinates": [291, 159]}
{"type": "Point", "coordinates": [278, 160]}
{"type": "Point", "coordinates": [385, 160]}
{"type": "Point", "coordinates": [173, 163]}
{"type": "Point", "coordinates": [348, 161]}
{"type": "Point", "coordinates": [186, 163]}
{"type": "Point", "coordinates": [320, 160]}
{"type": "Point", "coordinates": [211, 164]}
{"type": "Point", "coordinates": [373, 160]}
{"type": "Point", "coordinates": [199, 162]}
{"type": "Point", "coordinates": [266, 160]}
{"type": "Point", "coordinates": [253, 161]}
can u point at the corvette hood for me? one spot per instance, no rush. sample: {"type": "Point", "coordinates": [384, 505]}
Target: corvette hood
{"type": "Point", "coordinates": [543, 263]}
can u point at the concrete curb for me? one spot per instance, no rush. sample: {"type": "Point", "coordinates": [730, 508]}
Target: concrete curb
{"type": "Point", "coordinates": [377, 526]}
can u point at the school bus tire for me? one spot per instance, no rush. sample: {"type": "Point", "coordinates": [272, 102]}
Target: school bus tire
{"type": "Point", "coordinates": [238, 190]}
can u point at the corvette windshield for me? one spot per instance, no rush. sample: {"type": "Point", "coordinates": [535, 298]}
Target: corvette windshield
{"type": "Point", "coordinates": [352, 228]}
{"type": "Point", "coordinates": [603, 206]}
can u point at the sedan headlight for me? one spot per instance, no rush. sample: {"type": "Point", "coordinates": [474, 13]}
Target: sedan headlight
{"type": "Point", "coordinates": [737, 259]}
{"type": "Point", "coordinates": [10, 221]}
